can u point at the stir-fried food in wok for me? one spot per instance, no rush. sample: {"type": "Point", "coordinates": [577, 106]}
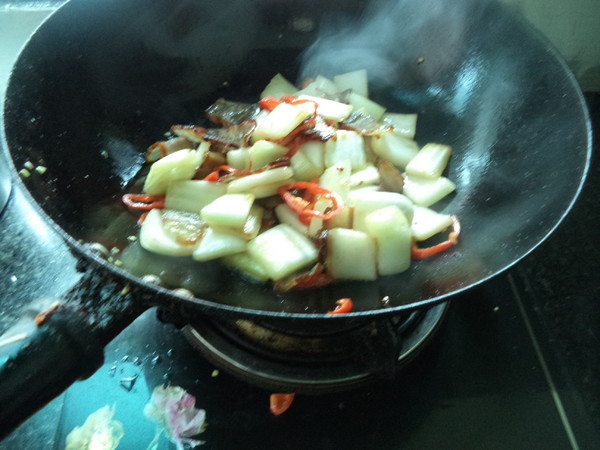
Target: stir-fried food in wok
{"type": "Point", "coordinates": [304, 187]}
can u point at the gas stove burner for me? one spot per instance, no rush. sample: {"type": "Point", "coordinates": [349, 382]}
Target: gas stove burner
{"type": "Point", "coordinates": [281, 360]}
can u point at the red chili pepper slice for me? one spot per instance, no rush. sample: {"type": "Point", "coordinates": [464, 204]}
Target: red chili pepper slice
{"type": "Point", "coordinates": [302, 205]}
{"type": "Point", "coordinates": [344, 305]}
{"type": "Point", "coordinates": [144, 201]}
{"type": "Point", "coordinates": [269, 103]}
{"type": "Point", "coordinates": [141, 219]}
{"type": "Point", "coordinates": [41, 317]}
{"type": "Point", "coordinates": [315, 277]}
{"type": "Point", "coordinates": [421, 253]}
{"type": "Point", "coordinates": [213, 176]}
{"type": "Point", "coordinates": [288, 98]}
{"type": "Point", "coordinates": [280, 403]}
{"type": "Point", "coordinates": [226, 168]}
{"type": "Point", "coordinates": [295, 144]}
{"type": "Point", "coordinates": [151, 155]}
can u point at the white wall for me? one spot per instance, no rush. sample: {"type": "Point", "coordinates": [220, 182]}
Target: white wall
{"type": "Point", "coordinates": [573, 26]}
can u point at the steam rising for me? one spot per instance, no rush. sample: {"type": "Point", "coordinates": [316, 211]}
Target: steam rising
{"type": "Point", "coordinates": [393, 37]}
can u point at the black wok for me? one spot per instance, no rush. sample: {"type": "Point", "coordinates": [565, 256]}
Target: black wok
{"type": "Point", "coordinates": [100, 81]}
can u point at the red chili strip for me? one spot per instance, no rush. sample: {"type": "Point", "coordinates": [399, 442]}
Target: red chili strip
{"type": "Point", "coordinates": [226, 168]}
{"type": "Point", "coordinates": [141, 219]}
{"type": "Point", "coordinates": [421, 253]}
{"type": "Point", "coordinates": [295, 144]}
{"type": "Point", "coordinates": [344, 305]}
{"type": "Point", "coordinates": [269, 103]}
{"type": "Point", "coordinates": [288, 98]}
{"type": "Point", "coordinates": [303, 205]}
{"type": "Point", "coordinates": [280, 403]}
{"type": "Point", "coordinates": [156, 151]}
{"type": "Point", "coordinates": [316, 277]}
{"type": "Point", "coordinates": [144, 201]}
{"type": "Point", "coordinates": [213, 176]}
{"type": "Point", "coordinates": [41, 317]}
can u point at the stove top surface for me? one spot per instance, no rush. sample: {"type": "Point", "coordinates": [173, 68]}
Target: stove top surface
{"type": "Point", "coordinates": [516, 363]}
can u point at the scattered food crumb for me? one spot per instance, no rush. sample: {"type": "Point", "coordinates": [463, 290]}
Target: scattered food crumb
{"type": "Point", "coordinates": [127, 383]}
{"type": "Point", "coordinates": [41, 169]}
{"type": "Point", "coordinates": [24, 173]}
{"type": "Point", "coordinates": [99, 431]}
{"type": "Point", "coordinates": [280, 402]}
{"type": "Point", "coordinates": [215, 373]}
{"type": "Point", "coordinates": [28, 165]}
{"type": "Point", "coordinates": [173, 409]}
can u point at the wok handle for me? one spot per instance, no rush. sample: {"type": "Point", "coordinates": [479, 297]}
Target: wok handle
{"type": "Point", "coordinates": [54, 344]}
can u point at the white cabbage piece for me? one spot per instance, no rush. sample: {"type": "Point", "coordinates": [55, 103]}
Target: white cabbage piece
{"type": "Point", "coordinates": [278, 87]}
{"type": "Point", "coordinates": [192, 195]}
{"type": "Point", "coordinates": [427, 222]}
{"type": "Point", "coordinates": [351, 255]}
{"type": "Point", "coordinates": [282, 121]}
{"type": "Point", "coordinates": [319, 87]}
{"type": "Point", "coordinates": [346, 145]}
{"type": "Point", "coordinates": [330, 109]}
{"type": "Point", "coordinates": [392, 232]}
{"type": "Point", "coordinates": [404, 124]}
{"type": "Point", "coordinates": [247, 265]}
{"type": "Point", "coordinates": [366, 201]}
{"type": "Point", "coordinates": [281, 250]}
{"type": "Point", "coordinates": [181, 165]}
{"type": "Point", "coordinates": [366, 105]}
{"type": "Point", "coordinates": [155, 236]}
{"type": "Point", "coordinates": [263, 152]}
{"type": "Point", "coordinates": [278, 177]}
{"type": "Point", "coordinates": [228, 211]}
{"type": "Point", "coordinates": [426, 192]}
{"type": "Point", "coordinates": [218, 243]}
{"type": "Point", "coordinates": [356, 81]}
{"type": "Point", "coordinates": [394, 148]}
{"type": "Point", "coordinates": [430, 162]}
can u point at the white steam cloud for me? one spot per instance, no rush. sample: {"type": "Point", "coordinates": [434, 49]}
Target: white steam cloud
{"type": "Point", "coordinates": [391, 37]}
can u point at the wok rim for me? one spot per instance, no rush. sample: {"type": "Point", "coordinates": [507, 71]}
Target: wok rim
{"type": "Point", "coordinates": [207, 306]}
